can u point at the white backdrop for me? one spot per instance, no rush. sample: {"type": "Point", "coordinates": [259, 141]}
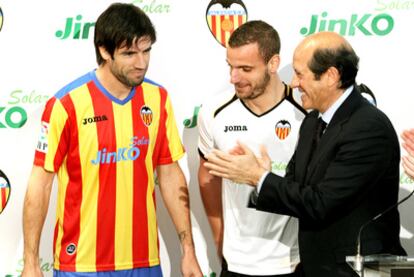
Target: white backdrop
{"type": "Point", "coordinates": [38, 56]}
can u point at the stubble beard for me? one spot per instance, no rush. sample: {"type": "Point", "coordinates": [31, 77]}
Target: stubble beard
{"type": "Point", "coordinates": [258, 90]}
{"type": "Point", "coordinates": [123, 78]}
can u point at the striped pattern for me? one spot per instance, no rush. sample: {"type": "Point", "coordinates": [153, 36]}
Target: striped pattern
{"type": "Point", "coordinates": [222, 26]}
{"type": "Point", "coordinates": [105, 156]}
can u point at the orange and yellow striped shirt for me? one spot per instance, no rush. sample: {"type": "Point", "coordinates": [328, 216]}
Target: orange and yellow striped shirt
{"type": "Point", "coordinates": [104, 152]}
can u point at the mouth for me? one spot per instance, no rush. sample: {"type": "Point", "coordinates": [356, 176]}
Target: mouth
{"type": "Point", "coordinates": [241, 86]}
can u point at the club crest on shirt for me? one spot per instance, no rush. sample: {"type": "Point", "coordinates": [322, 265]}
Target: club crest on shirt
{"type": "Point", "coordinates": [282, 129]}
{"type": "Point", "coordinates": [146, 115]}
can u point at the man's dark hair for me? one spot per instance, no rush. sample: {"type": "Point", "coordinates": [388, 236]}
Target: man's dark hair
{"type": "Point", "coordinates": [342, 58]}
{"type": "Point", "coordinates": [258, 31]}
{"type": "Point", "coordinates": [121, 24]}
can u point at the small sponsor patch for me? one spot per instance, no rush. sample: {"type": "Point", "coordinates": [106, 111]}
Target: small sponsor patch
{"type": "Point", "coordinates": [71, 249]}
{"type": "Point", "coordinates": [43, 137]}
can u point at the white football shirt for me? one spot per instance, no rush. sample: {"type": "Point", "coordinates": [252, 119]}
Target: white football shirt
{"type": "Point", "coordinates": [255, 242]}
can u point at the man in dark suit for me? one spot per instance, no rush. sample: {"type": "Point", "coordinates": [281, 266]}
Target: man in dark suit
{"type": "Point", "coordinates": [340, 176]}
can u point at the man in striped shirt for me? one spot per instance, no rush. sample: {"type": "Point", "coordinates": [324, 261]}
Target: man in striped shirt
{"type": "Point", "coordinates": [103, 135]}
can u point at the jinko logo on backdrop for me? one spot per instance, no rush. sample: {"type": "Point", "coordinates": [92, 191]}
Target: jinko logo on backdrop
{"type": "Point", "coordinates": [78, 28]}
{"type": "Point", "coordinates": [4, 191]}
{"type": "Point", "coordinates": [14, 114]}
{"type": "Point", "coordinates": [354, 24]}
{"type": "Point", "coordinates": [223, 17]}
{"type": "Point", "coordinates": [75, 28]}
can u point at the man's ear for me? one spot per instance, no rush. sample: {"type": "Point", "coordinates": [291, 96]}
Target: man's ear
{"type": "Point", "coordinates": [333, 77]}
{"type": "Point", "coordinates": [273, 64]}
{"type": "Point", "coordinates": [105, 55]}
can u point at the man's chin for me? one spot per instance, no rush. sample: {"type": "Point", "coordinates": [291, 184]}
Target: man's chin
{"type": "Point", "coordinates": [137, 82]}
{"type": "Point", "coordinates": [241, 93]}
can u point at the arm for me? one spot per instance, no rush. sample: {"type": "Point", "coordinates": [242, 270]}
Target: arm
{"type": "Point", "coordinates": [175, 194]}
{"type": "Point", "coordinates": [408, 145]}
{"type": "Point", "coordinates": [210, 190]}
{"type": "Point", "coordinates": [35, 208]}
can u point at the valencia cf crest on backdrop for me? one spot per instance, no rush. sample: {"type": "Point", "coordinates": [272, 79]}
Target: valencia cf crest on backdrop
{"type": "Point", "coordinates": [146, 115]}
{"type": "Point", "coordinates": [282, 129]}
{"type": "Point", "coordinates": [4, 191]}
{"type": "Point", "coordinates": [1, 19]}
{"type": "Point", "coordinates": [223, 17]}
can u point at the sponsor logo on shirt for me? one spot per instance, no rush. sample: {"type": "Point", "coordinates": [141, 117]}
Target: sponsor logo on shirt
{"type": "Point", "coordinates": [282, 129]}
{"type": "Point", "coordinates": [94, 119]}
{"type": "Point", "coordinates": [235, 128]}
{"type": "Point", "coordinates": [130, 153]}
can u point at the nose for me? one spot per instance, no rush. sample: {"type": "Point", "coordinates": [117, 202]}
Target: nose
{"type": "Point", "coordinates": [141, 60]}
{"type": "Point", "coordinates": [295, 81]}
{"type": "Point", "coordinates": [234, 76]}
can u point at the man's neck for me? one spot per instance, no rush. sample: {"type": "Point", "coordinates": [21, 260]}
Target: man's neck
{"type": "Point", "coordinates": [112, 84]}
{"type": "Point", "coordinates": [273, 94]}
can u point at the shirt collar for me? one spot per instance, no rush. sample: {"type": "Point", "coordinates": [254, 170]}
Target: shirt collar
{"type": "Point", "coordinates": [327, 116]}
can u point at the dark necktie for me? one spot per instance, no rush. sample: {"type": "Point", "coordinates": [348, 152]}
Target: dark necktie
{"type": "Point", "coordinates": [319, 130]}
{"type": "Point", "coordinates": [320, 127]}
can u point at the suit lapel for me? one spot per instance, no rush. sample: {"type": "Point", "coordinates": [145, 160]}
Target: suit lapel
{"type": "Point", "coordinates": [304, 148]}
{"type": "Point", "coordinates": [334, 130]}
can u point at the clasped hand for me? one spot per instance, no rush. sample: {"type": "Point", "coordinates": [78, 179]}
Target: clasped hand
{"type": "Point", "coordinates": [240, 165]}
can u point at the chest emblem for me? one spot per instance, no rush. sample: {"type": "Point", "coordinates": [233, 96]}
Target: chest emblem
{"type": "Point", "coordinates": [282, 129]}
{"type": "Point", "coordinates": [146, 115]}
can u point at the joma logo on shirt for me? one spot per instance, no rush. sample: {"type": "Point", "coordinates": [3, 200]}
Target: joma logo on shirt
{"type": "Point", "coordinates": [94, 119]}
{"type": "Point", "coordinates": [235, 128]}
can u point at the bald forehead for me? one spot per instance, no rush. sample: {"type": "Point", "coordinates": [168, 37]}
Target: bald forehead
{"type": "Point", "coordinates": [323, 40]}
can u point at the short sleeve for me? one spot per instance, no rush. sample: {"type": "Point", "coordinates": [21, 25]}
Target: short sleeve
{"type": "Point", "coordinates": [205, 135]}
{"type": "Point", "coordinates": [51, 147]}
{"type": "Point", "coordinates": [172, 148]}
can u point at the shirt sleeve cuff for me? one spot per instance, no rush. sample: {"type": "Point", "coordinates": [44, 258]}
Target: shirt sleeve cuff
{"type": "Point", "coordinates": [261, 180]}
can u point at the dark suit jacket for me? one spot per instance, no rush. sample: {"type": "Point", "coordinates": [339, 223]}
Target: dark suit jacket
{"type": "Point", "coordinates": [352, 177]}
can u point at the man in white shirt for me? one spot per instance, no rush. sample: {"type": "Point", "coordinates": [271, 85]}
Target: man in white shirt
{"type": "Point", "coordinates": [260, 111]}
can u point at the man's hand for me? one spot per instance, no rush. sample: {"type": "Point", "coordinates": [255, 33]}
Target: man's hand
{"type": "Point", "coordinates": [240, 165]}
{"type": "Point", "coordinates": [408, 145]}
